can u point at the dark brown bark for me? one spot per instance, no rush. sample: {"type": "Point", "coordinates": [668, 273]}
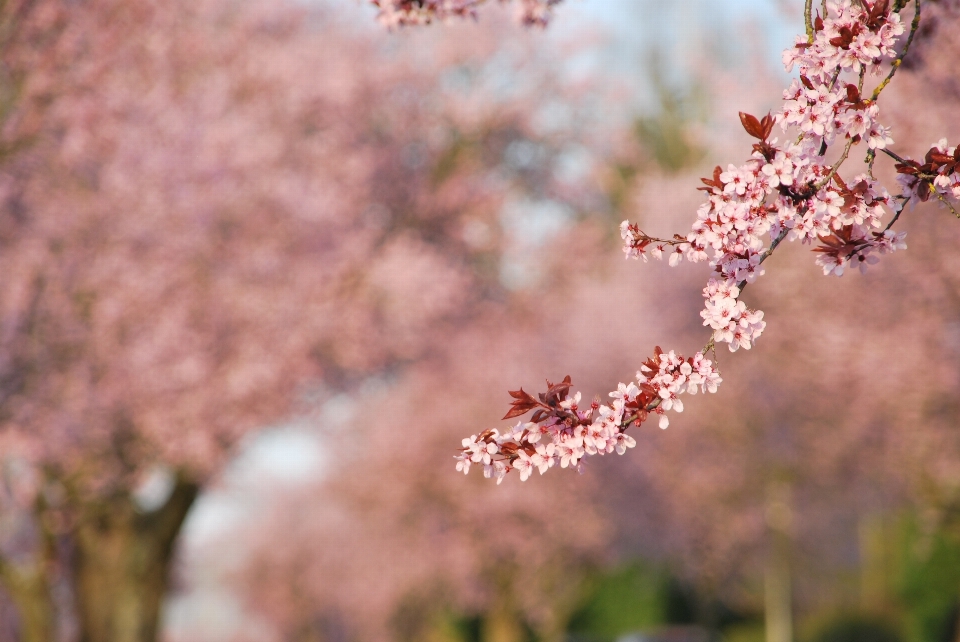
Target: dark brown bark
{"type": "Point", "coordinates": [122, 562]}
{"type": "Point", "coordinates": [26, 578]}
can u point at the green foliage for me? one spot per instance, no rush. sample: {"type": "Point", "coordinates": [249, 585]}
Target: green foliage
{"type": "Point", "coordinates": [857, 628]}
{"type": "Point", "coordinates": [745, 632]}
{"type": "Point", "coordinates": [929, 584]}
{"type": "Point", "coordinates": [630, 598]}
{"type": "Point", "coordinates": [665, 135]}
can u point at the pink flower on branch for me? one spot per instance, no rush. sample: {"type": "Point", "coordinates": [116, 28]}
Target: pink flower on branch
{"type": "Point", "coordinates": [787, 190]}
{"type": "Point", "coordinates": [399, 13]}
{"type": "Point", "coordinates": [562, 434]}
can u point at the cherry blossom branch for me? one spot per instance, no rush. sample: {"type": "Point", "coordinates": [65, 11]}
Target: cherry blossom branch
{"type": "Point", "coordinates": [401, 13]}
{"type": "Point", "coordinates": [782, 192]}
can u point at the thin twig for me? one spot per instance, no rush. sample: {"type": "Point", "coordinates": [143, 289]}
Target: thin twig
{"type": "Point", "coordinates": [836, 76]}
{"type": "Point", "coordinates": [710, 345]}
{"type": "Point", "coordinates": [763, 257]}
{"type": "Point", "coordinates": [899, 59]}
{"type": "Point", "coordinates": [835, 168]}
{"type": "Point", "coordinates": [896, 214]}
{"type": "Point", "coordinates": [945, 202]}
{"type": "Point", "coordinates": [894, 155]}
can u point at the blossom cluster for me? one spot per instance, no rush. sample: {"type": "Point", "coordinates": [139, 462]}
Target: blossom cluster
{"type": "Point", "coordinates": [561, 432]}
{"type": "Point", "coordinates": [938, 175]}
{"type": "Point", "coordinates": [729, 318]}
{"type": "Point", "coordinates": [398, 13]}
{"type": "Point", "coordinates": [790, 190]}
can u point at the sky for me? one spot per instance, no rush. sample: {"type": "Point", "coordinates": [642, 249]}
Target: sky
{"type": "Point", "coordinates": [680, 32]}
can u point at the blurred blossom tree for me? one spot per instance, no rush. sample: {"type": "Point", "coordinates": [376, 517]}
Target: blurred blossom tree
{"type": "Point", "coordinates": [191, 194]}
{"type": "Point", "coordinates": [810, 447]}
{"type": "Point", "coordinates": [413, 549]}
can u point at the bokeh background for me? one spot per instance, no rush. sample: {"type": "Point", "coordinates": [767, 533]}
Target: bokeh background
{"type": "Point", "coordinates": [264, 264]}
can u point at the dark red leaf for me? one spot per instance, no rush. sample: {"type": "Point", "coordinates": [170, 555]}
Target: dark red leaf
{"type": "Point", "coordinates": [519, 409]}
{"type": "Point", "coordinates": [845, 39]}
{"type": "Point", "coordinates": [853, 94]}
{"type": "Point", "coordinates": [940, 158]}
{"type": "Point", "coordinates": [751, 125]}
{"type": "Point", "coordinates": [878, 14]}
{"type": "Point", "coordinates": [520, 394]}
{"type": "Point", "coordinates": [766, 125]}
{"type": "Point", "coordinates": [907, 168]}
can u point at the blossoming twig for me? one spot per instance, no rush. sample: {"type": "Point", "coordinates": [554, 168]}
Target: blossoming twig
{"type": "Point", "coordinates": [783, 191]}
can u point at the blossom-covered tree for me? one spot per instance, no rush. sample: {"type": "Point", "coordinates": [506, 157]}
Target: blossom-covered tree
{"type": "Point", "coordinates": [412, 547]}
{"type": "Point", "coordinates": [185, 236]}
{"type": "Point", "coordinates": [808, 440]}
{"type": "Point", "coordinates": [806, 459]}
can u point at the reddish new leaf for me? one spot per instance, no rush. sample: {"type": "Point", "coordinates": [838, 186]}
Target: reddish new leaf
{"type": "Point", "coordinates": [518, 409]}
{"type": "Point", "coordinates": [751, 125]}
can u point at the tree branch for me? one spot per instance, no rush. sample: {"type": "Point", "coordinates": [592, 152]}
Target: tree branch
{"type": "Point", "coordinates": [914, 25]}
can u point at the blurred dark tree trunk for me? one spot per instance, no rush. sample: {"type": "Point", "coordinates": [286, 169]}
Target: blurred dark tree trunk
{"type": "Point", "coordinates": [27, 585]}
{"type": "Point", "coordinates": [26, 577]}
{"type": "Point", "coordinates": [121, 567]}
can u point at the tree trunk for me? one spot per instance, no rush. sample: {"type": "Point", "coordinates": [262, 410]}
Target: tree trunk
{"type": "Point", "coordinates": [873, 571]}
{"type": "Point", "coordinates": [502, 625]}
{"type": "Point", "coordinates": [122, 559]}
{"type": "Point", "coordinates": [502, 622]}
{"type": "Point", "coordinates": [778, 607]}
{"type": "Point", "coordinates": [30, 592]}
